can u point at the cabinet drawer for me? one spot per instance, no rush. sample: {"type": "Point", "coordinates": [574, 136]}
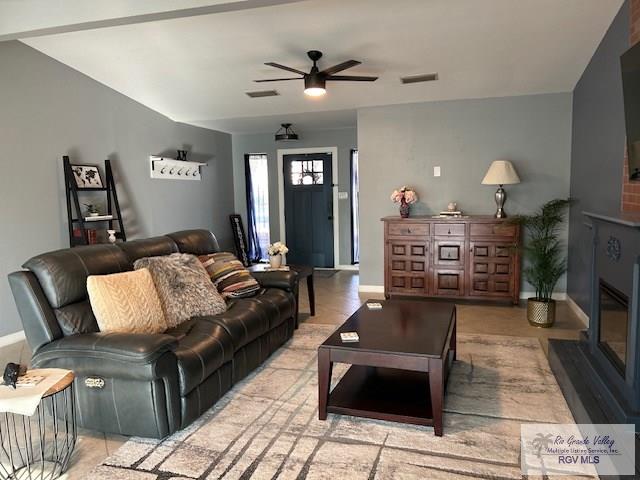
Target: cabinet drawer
{"type": "Point", "coordinates": [449, 252]}
{"type": "Point", "coordinates": [493, 230]}
{"type": "Point", "coordinates": [448, 229]}
{"type": "Point", "coordinates": [410, 229]}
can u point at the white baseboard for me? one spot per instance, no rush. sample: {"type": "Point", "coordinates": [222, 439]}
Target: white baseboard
{"type": "Point", "coordinates": [12, 338]}
{"type": "Point", "coordinates": [584, 318]}
{"type": "Point", "coordinates": [555, 296]}
{"type": "Point", "coordinates": [371, 288]}
{"type": "Point", "coordinates": [347, 267]}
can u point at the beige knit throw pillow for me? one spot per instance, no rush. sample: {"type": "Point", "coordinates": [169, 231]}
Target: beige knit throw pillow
{"type": "Point", "coordinates": [126, 302]}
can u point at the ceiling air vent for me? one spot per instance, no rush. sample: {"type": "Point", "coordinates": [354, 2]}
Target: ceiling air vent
{"type": "Point", "coordinates": [263, 93]}
{"type": "Point", "coordinates": [429, 77]}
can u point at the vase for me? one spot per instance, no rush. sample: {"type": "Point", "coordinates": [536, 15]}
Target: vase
{"type": "Point", "coordinates": [541, 313]}
{"type": "Point", "coordinates": [404, 209]}
{"type": "Point", "coordinates": [275, 261]}
{"type": "Point", "coordinates": [112, 236]}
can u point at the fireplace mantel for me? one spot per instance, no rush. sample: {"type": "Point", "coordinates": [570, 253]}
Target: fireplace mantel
{"type": "Point", "coordinates": [626, 219]}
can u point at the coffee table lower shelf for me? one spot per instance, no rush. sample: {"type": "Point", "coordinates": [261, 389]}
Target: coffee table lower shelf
{"type": "Point", "coordinates": [383, 394]}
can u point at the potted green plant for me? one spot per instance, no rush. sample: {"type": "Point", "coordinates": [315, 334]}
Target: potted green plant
{"type": "Point", "coordinates": [92, 210]}
{"type": "Point", "coordinates": [545, 258]}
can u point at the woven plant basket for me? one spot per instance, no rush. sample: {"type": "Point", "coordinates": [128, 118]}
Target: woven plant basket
{"type": "Point", "coordinates": [540, 313]}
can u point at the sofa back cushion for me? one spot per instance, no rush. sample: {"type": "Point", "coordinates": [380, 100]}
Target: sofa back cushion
{"type": "Point", "coordinates": [183, 286]}
{"type": "Point", "coordinates": [62, 275]}
{"type": "Point", "coordinates": [147, 247]}
{"type": "Point", "coordinates": [126, 302]}
{"type": "Point", "coordinates": [230, 277]}
{"type": "Point", "coordinates": [195, 242]}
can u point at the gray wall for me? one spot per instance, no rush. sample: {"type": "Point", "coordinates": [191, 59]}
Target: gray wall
{"type": "Point", "coordinates": [345, 139]}
{"type": "Point", "coordinates": [597, 153]}
{"type": "Point", "coordinates": [400, 145]}
{"type": "Point", "coordinates": [48, 110]}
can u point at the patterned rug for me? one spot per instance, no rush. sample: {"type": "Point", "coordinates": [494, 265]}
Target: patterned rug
{"type": "Point", "coordinates": [267, 427]}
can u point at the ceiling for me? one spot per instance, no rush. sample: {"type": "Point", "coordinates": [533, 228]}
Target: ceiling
{"type": "Point", "coordinates": [196, 69]}
{"type": "Point", "coordinates": [30, 18]}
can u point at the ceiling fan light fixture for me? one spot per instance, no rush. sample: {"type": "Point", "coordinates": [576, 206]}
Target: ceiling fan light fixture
{"type": "Point", "coordinates": [315, 91]}
{"type": "Point", "coordinates": [286, 133]}
{"type": "Point", "coordinates": [314, 86]}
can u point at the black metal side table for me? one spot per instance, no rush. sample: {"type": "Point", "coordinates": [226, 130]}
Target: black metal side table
{"type": "Point", "coordinates": [39, 447]}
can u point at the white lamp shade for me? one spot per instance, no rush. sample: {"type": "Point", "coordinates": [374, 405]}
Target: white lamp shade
{"type": "Point", "coordinates": [501, 172]}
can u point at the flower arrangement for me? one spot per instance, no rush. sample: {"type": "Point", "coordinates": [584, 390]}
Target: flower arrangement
{"type": "Point", "coordinates": [277, 248]}
{"type": "Point", "coordinates": [404, 195]}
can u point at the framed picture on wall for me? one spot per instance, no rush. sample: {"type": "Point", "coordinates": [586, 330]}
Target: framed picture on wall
{"type": "Point", "coordinates": [87, 176]}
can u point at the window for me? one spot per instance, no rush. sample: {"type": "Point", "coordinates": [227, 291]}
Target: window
{"type": "Point", "coordinates": [306, 172]}
{"type": "Point", "coordinates": [355, 214]}
{"type": "Point", "coordinates": [256, 171]}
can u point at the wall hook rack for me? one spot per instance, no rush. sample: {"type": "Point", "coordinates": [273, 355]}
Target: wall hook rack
{"type": "Point", "coordinates": [172, 169]}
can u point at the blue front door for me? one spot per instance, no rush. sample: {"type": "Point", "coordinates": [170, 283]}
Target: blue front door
{"type": "Point", "coordinates": [308, 209]}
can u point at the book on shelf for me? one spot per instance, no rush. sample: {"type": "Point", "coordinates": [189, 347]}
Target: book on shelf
{"type": "Point", "coordinates": [92, 236]}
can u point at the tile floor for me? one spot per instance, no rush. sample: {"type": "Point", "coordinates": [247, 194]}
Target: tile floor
{"type": "Point", "coordinates": [337, 298]}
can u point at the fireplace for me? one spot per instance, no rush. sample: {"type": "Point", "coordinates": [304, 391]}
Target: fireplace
{"type": "Point", "coordinates": [613, 322]}
{"type": "Point", "coordinates": [610, 348]}
{"type": "Point", "coordinates": [599, 374]}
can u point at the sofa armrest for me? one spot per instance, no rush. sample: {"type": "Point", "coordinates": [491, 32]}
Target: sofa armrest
{"type": "Point", "coordinates": [136, 348]}
{"type": "Point", "coordinates": [287, 281]}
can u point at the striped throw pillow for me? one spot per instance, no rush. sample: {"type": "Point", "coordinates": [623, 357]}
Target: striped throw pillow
{"type": "Point", "coordinates": [229, 276]}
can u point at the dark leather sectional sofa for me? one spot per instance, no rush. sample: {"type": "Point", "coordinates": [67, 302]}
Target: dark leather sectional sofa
{"type": "Point", "coordinates": [138, 384]}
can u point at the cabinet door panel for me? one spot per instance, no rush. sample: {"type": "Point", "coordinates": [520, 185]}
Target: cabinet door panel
{"type": "Point", "coordinates": [408, 266]}
{"type": "Point", "coordinates": [491, 269]}
{"type": "Point", "coordinates": [448, 282]}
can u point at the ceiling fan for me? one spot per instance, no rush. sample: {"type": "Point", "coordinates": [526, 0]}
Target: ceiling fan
{"type": "Point", "coordinates": [315, 81]}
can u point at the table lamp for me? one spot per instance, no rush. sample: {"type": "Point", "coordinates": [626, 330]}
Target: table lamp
{"type": "Point", "coordinates": [501, 172]}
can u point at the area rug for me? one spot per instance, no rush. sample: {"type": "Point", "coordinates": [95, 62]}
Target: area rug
{"type": "Point", "coordinates": [267, 426]}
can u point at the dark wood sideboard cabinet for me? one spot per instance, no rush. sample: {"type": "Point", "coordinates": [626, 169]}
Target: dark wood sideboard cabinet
{"type": "Point", "coordinates": [473, 257]}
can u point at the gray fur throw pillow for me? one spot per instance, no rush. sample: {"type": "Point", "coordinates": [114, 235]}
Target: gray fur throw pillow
{"type": "Point", "coordinates": [183, 286]}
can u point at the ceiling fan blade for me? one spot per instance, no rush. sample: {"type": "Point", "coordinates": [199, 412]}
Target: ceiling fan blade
{"type": "Point", "coordinates": [351, 78]}
{"type": "Point", "coordinates": [284, 67]}
{"type": "Point", "coordinates": [277, 79]}
{"type": "Point", "coordinates": [340, 67]}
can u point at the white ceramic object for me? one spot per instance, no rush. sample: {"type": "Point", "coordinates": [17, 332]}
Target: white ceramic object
{"type": "Point", "coordinates": [112, 236]}
{"type": "Point", "coordinates": [275, 261]}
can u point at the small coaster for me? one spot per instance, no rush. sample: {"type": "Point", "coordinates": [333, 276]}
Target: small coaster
{"type": "Point", "coordinates": [29, 380]}
{"type": "Point", "coordinates": [349, 337]}
{"type": "Point", "coordinates": [374, 306]}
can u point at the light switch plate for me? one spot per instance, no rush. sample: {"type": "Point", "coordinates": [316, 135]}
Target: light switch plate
{"type": "Point", "coordinates": [436, 171]}
{"type": "Point", "coordinates": [343, 195]}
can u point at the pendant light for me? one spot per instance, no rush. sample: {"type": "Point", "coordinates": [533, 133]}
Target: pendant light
{"type": "Point", "coordinates": [286, 133]}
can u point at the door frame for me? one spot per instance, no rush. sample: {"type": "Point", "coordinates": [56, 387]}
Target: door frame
{"type": "Point", "coordinates": [333, 151]}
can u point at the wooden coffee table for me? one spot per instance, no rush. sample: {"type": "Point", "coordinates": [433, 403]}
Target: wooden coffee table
{"type": "Point", "coordinates": [399, 368]}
